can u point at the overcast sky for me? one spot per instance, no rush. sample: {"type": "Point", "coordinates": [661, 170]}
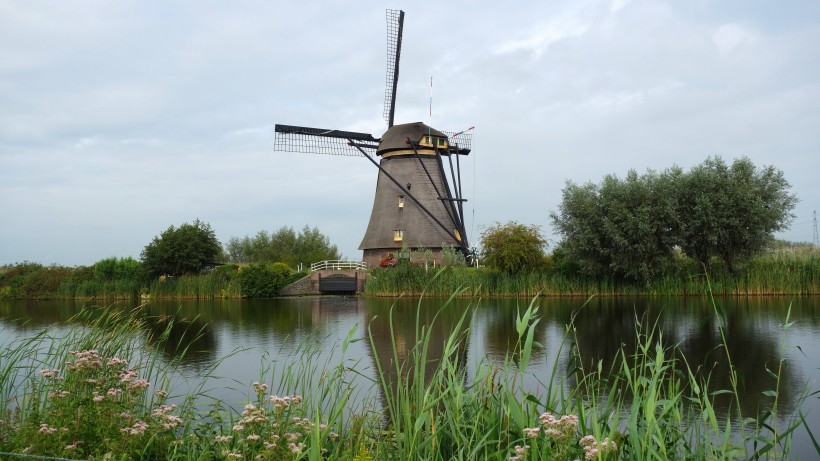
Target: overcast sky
{"type": "Point", "coordinates": [121, 118]}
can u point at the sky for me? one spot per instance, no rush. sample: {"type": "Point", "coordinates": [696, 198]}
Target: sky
{"type": "Point", "coordinates": [120, 119]}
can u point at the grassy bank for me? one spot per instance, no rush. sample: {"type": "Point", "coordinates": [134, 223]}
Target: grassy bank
{"type": "Point", "coordinates": [771, 274]}
{"type": "Point", "coordinates": [32, 281]}
{"type": "Point", "coordinates": [100, 392]}
{"type": "Point", "coordinates": [775, 273]}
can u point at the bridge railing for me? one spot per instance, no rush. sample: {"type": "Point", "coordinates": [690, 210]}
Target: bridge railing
{"type": "Point", "coordinates": [338, 264]}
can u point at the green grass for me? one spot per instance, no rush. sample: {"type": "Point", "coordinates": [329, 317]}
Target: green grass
{"type": "Point", "coordinates": [770, 274]}
{"type": "Point", "coordinates": [651, 404]}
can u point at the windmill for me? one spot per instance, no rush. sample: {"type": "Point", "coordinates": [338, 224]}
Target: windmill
{"type": "Point", "coordinates": [414, 205]}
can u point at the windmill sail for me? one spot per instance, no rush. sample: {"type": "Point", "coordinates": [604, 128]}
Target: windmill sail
{"type": "Point", "coordinates": [321, 141]}
{"type": "Point", "coordinates": [395, 26]}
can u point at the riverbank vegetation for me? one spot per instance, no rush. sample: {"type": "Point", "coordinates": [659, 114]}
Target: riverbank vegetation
{"type": "Point", "coordinates": [102, 390]}
{"type": "Point", "coordinates": [185, 261]}
{"type": "Point", "coordinates": [784, 269]}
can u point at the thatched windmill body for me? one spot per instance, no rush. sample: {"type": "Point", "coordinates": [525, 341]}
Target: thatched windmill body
{"type": "Point", "coordinates": [414, 204]}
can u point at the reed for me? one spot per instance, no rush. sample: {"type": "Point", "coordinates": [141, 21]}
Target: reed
{"type": "Point", "coordinates": [770, 274]}
{"type": "Point", "coordinates": [213, 285]}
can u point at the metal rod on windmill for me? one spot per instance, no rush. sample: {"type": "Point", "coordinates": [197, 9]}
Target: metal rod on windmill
{"type": "Point", "coordinates": [413, 205]}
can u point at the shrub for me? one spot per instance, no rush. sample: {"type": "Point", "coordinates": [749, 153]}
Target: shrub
{"type": "Point", "coordinates": [513, 247]}
{"type": "Point", "coordinates": [263, 280]}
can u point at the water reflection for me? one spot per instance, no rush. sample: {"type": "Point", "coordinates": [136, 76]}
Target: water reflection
{"type": "Point", "coordinates": [754, 340]}
{"type": "Point", "coordinates": [189, 341]}
{"type": "Point", "coordinates": [404, 333]}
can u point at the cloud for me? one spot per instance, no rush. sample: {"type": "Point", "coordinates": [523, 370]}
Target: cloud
{"type": "Point", "coordinates": [140, 142]}
{"type": "Point", "coordinates": [86, 142]}
{"type": "Point", "coordinates": [729, 36]}
{"type": "Point", "coordinates": [542, 36]}
{"type": "Point", "coordinates": [251, 132]}
{"type": "Point", "coordinates": [617, 5]}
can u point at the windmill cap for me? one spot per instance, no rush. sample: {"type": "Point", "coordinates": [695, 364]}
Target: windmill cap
{"type": "Point", "coordinates": [395, 138]}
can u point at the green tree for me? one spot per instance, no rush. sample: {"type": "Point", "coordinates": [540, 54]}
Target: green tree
{"type": "Point", "coordinates": [732, 211]}
{"type": "Point", "coordinates": [311, 246]}
{"type": "Point", "coordinates": [182, 250]}
{"type": "Point", "coordinates": [117, 269]}
{"type": "Point", "coordinates": [284, 245]}
{"type": "Point", "coordinates": [513, 247]}
{"type": "Point", "coordinates": [622, 227]}
{"type": "Point", "coordinates": [631, 227]}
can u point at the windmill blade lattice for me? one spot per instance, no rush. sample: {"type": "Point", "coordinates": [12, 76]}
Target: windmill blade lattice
{"type": "Point", "coordinates": [461, 140]}
{"type": "Point", "coordinates": [395, 25]}
{"type": "Point", "coordinates": [322, 141]}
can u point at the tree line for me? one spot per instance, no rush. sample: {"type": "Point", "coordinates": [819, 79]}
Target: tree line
{"type": "Point", "coordinates": [638, 227]}
{"type": "Point", "coordinates": [189, 248]}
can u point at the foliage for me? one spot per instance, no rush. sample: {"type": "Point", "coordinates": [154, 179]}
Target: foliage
{"type": "Point", "coordinates": [29, 280]}
{"type": "Point", "coordinates": [118, 269]}
{"type": "Point", "coordinates": [183, 250]}
{"type": "Point", "coordinates": [452, 257]}
{"type": "Point", "coordinates": [631, 227]}
{"type": "Point", "coordinates": [513, 247]}
{"type": "Point", "coordinates": [284, 245]}
{"type": "Point", "coordinates": [264, 280]}
{"type": "Point", "coordinates": [773, 273]}
{"type": "Point", "coordinates": [209, 285]}
{"type": "Point", "coordinates": [731, 212]}
{"type": "Point", "coordinates": [622, 227]}
{"type": "Point", "coordinates": [422, 257]}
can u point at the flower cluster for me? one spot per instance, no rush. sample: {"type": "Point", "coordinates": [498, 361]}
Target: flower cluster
{"type": "Point", "coordinates": [270, 428]}
{"type": "Point", "coordinates": [559, 429]}
{"type": "Point", "coordinates": [593, 448]}
{"type": "Point", "coordinates": [260, 388]}
{"type": "Point", "coordinates": [520, 452]}
{"type": "Point", "coordinates": [166, 420]}
{"type": "Point", "coordinates": [120, 412]}
{"type": "Point", "coordinates": [282, 403]}
{"type": "Point", "coordinates": [85, 360]}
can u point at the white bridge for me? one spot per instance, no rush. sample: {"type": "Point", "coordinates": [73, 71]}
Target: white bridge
{"type": "Point", "coordinates": [337, 264]}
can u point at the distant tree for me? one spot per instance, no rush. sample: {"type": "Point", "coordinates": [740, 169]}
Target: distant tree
{"type": "Point", "coordinates": [311, 246]}
{"type": "Point", "coordinates": [182, 250]}
{"type": "Point", "coordinates": [631, 227]}
{"type": "Point", "coordinates": [622, 227]}
{"type": "Point", "coordinates": [284, 245]}
{"type": "Point", "coordinates": [732, 211]}
{"type": "Point", "coordinates": [513, 247]}
{"type": "Point", "coordinates": [234, 250]}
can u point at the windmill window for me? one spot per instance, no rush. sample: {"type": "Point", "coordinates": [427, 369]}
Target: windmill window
{"type": "Point", "coordinates": [398, 235]}
{"type": "Point", "coordinates": [401, 201]}
{"type": "Point", "coordinates": [442, 142]}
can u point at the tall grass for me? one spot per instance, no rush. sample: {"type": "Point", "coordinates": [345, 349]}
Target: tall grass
{"type": "Point", "coordinates": [431, 403]}
{"type": "Point", "coordinates": [771, 274]}
{"type": "Point", "coordinates": [213, 285]}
